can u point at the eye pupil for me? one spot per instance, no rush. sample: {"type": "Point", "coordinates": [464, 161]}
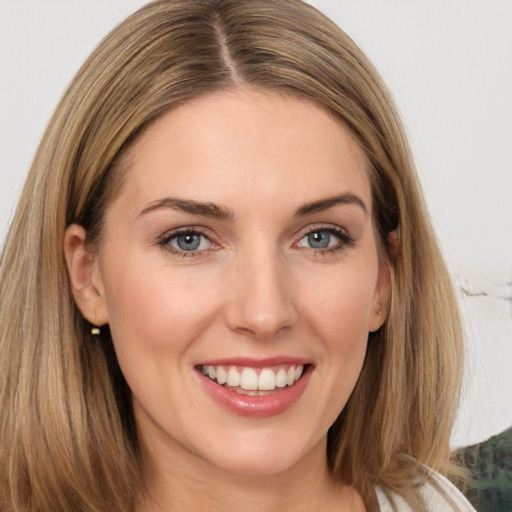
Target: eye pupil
{"type": "Point", "coordinates": [188, 242]}
{"type": "Point", "coordinates": [319, 239]}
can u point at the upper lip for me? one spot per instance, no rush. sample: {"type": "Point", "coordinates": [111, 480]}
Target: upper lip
{"type": "Point", "coordinates": [255, 362]}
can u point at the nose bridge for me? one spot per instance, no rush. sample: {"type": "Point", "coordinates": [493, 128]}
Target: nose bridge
{"type": "Point", "coordinates": [262, 302]}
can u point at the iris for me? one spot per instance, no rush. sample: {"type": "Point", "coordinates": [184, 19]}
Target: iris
{"type": "Point", "coordinates": [319, 239]}
{"type": "Point", "coordinates": [188, 242]}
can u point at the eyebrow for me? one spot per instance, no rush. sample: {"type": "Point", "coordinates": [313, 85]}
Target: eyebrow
{"type": "Point", "coordinates": [329, 202]}
{"type": "Point", "coordinates": [223, 213]}
{"type": "Point", "coordinates": [190, 206]}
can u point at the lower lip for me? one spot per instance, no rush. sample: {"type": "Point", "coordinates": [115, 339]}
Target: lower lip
{"type": "Point", "coordinates": [257, 406]}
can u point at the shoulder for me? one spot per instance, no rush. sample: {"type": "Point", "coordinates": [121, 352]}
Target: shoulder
{"type": "Point", "coordinates": [437, 492]}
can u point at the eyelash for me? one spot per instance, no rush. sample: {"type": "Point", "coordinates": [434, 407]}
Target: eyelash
{"type": "Point", "coordinates": [344, 240]}
{"type": "Point", "coordinates": [166, 239]}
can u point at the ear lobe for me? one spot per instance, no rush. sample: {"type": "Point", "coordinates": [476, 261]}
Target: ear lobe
{"type": "Point", "coordinates": [392, 245]}
{"type": "Point", "coordinates": [84, 276]}
{"type": "Point", "coordinates": [382, 294]}
{"type": "Point", "coordinates": [381, 297]}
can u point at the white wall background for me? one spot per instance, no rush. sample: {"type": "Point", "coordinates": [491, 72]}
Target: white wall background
{"type": "Point", "coordinates": [449, 66]}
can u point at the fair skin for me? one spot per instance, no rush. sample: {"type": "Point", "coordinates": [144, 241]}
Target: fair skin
{"type": "Point", "coordinates": [272, 277]}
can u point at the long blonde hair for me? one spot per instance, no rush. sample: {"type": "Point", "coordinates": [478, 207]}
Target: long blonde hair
{"type": "Point", "coordinates": [66, 427]}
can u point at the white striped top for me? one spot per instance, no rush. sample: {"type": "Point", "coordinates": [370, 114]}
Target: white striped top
{"type": "Point", "coordinates": [438, 493]}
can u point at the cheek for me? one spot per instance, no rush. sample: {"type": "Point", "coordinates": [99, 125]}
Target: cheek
{"type": "Point", "coordinates": [156, 309]}
{"type": "Point", "coordinates": [337, 312]}
{"type": "Point", "coordinates": [341, 303]}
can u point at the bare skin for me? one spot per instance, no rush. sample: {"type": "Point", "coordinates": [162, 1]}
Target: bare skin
{"type": "Point", "coordinates": [303, 488]}
{"type": "Point", "coordinates": [243, 231]}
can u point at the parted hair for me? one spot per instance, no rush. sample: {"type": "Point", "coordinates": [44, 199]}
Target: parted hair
{"type": "Point", "coordinates": [67, 435]}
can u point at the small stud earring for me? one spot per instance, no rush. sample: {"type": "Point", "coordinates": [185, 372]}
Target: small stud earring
{"type": "Point", "coordinates": [95, 331]}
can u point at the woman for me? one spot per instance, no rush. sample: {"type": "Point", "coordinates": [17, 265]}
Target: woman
{"type": "Point", "coordinates": [234, 296]}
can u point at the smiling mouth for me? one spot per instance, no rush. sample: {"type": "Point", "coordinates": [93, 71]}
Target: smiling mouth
{"type": "Point", "coordinates": [254, 381]}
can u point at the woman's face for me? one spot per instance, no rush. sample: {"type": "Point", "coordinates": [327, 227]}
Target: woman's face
{"type": "Point", "coordinates": [241, 246]}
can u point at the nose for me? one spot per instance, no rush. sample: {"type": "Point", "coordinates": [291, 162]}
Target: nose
{"type": "Point", "coordinates": [261, 301]}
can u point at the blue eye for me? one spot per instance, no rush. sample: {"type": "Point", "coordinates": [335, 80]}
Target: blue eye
{"type": "Point", "coordinates": [326, 239]}
{"type": "Point", "coordinates": [186, 241]}
{"type": "Point", "coordinates": [319, 239]}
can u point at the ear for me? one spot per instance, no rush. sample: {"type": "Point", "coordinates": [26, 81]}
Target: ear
{"type": "Point", "coordinates": [381, 297]}
{"type": "Point", "coordinates": [84, 276]}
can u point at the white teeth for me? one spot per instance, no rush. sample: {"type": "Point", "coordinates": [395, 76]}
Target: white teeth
{"type": "Point", "coordinates": [249, 379]}
{"type": "Point", "coordinates": [233, 378]}
{"type": "Point", "coordinates": [281, 378]}
{"type": "Point", "coordinates": [250, 382]}
{"type": "Point", "coordinates": [267, 380]}
{"type": "Point", "coordinates": [222, 376]}
{"type": "Point", "coordinates": [290, 376]}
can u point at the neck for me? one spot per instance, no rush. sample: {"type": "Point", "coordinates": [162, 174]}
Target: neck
{"type": "Point", "coordinates": [188, 483]}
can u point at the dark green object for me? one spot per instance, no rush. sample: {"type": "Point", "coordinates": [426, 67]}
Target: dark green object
{"type": "Point", "coordinates": [490, 467]}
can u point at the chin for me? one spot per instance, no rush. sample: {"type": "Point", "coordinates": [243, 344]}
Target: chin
{"type": "Point", "coordinates": [264, 453]}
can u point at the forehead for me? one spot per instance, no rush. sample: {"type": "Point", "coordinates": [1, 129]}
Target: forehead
{"type": "Point", "coordinates": [244, 144]}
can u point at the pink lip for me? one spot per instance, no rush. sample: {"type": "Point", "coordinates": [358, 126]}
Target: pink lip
{"type": "Point", "coordinates": [256, 363]}
{"type": "Point", "coordinates": [256, 406]}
